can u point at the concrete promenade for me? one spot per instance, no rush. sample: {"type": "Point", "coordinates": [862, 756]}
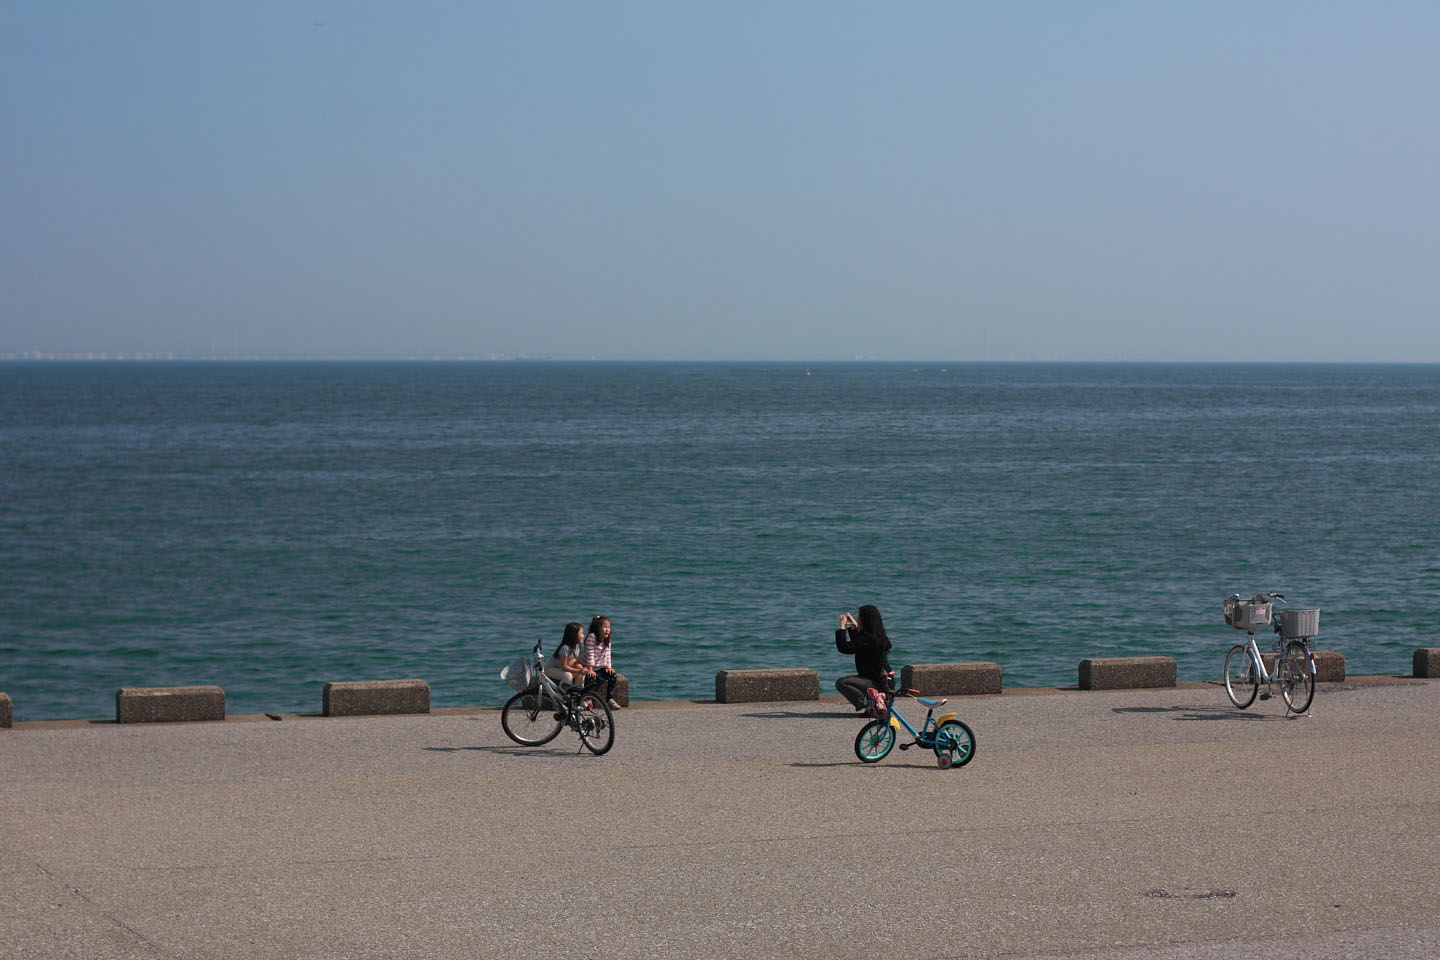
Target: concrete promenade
{"type": "Point", "coordinates": [1102, 825]}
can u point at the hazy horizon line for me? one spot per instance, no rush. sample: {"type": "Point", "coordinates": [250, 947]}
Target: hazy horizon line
{"type": "Point", "coordinates": [104, 358]}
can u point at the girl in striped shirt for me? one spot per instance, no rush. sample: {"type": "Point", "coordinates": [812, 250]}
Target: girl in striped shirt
{"type": "Point", "coordinates": [597, 656]}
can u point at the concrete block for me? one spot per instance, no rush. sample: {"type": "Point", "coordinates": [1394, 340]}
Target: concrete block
{"type": "Point", "coordinates": [757, 686]}
{"type": "Point", "coordinates": [622, 689]}
{"type": "Point", "coordinates": [1427, 662]}
{"type": "Point", "coordinates": [951, 679]}
{"type": "Point", "coordinates": [1127, 673]}
{"type": "Point", "coordinates": [6, 711]}
{"type": "Point", "coordinates": [169, 704]}
{"type": "Point", "coordinates": [358, 698]}
{"type": "Point", "coordinates": [1329, 665]}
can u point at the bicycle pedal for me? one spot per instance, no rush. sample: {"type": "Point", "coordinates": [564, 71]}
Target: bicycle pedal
{"type": "Point", "coordinates": [1264, 696]}
{"type": "Point", "coordinates": [906, 746]}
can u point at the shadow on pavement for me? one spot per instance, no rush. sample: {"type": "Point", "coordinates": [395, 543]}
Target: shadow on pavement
{"type": "Point", "coordinates": [1196, 713]}
{"type": "Point", "coordinates": [799, 715]}
{"type": "Point", "coordinates": [544, 751]}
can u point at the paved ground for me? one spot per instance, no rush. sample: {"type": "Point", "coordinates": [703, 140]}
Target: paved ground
{"type": "Point", "coordinates": [1106, 826]}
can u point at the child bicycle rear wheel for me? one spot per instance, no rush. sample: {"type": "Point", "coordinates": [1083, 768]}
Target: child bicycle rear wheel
{"type": "Point", "coordinates": [874, 741]}
{"type": "Point", "coordinates": [954, 744]}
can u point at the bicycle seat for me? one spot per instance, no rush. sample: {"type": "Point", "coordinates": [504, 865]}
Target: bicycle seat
{"type": "Point", "coordinates": [931, 703]}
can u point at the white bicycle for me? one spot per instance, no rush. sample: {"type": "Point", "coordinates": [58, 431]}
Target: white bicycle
{"type": "Point", "coordinates": [543, 707]}
{"type": "Point", "coordinates": [1294, 663]}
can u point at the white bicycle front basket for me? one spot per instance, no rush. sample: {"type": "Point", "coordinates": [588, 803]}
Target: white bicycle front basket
{"type": "Point", "coordinates": [519, 674]}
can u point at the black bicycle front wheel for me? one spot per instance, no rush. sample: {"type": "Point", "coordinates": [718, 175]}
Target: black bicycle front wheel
{"type": "Point", "coordinates": [530, 718]}
{"type": "Point", "coordinates": [1297, 683]}
{"type": "Point", "coordinates": [594, 722]}
{"type": "Point", "coordinates": [1241, 680]}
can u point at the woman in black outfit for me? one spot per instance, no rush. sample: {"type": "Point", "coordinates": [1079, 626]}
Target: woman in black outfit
{"type": "Point", "coordinates": [865, 639]}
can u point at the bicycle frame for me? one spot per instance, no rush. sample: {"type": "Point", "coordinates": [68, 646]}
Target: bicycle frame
{"type": "Point", "coordinates": [1259, 660]}
{"type": "Point", "coordinates": [925, 736]}
{"type": "Point", "coordinates": [1256, 659]}
{"type": "Point", "coordinates": [551, 689]}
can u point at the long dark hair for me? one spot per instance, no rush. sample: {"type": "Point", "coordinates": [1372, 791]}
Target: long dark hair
{"type": "Point", "coordinates": [871, 623]}
{"type": "Point", "coordinates": [595, 629]}
{"type": "Point", "coordinates": [571, 638]}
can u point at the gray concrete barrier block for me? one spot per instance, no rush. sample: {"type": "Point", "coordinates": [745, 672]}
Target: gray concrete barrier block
{"type": "Point", "coordinates": [169, 704]}
{"type": "Point", "coordinates": [1127, 673]}
{"type": "Point", "coordinates": [1427, 662]}
{"type": "Point", "coordinates": [622, 689]}
{"type": "Point", "coordinates": [5, 711]}
{"type": "Point", "coordinates": [756, 686]}
{"type": "Point", "coordinates": [359, 698]}
{"type": "Point", "coordinates": [951, 679]}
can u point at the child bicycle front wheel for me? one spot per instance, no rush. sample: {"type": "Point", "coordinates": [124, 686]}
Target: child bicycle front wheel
{"type": "Point", "coordinates": [874, 741]}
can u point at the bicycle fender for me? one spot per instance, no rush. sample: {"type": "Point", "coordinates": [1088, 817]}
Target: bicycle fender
{"type": "Point", "coordinates": [894, 723]}
{"type": "Point", "coordinates": [948, 716]}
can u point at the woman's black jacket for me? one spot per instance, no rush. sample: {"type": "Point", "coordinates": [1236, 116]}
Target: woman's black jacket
{"type": "Point", "coordinates": [871, 660]}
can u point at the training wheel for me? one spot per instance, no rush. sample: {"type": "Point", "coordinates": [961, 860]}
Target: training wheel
{"type": "Point", "coordinates": [945, 761]}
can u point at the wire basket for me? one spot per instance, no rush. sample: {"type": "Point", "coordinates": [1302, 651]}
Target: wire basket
{"type": "Point", "coordinates": [1246, 614]}
{"type": "Point", "coordinates": [1297, 624]}
{"type": "Point", "coordinates": [519, 673]}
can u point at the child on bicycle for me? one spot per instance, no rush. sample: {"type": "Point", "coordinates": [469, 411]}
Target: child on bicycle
{"type": "Point", "coordinates": [597, 657]}
{"type": "Point", "coordinates": [865, 638]}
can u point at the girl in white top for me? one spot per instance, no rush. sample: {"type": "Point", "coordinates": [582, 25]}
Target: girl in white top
{"type": "Point", "coordinates": [597, 656]}
{"type": "Point", "coordinates": [565, 666]}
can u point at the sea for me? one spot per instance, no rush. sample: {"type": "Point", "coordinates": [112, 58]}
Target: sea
{"type": "Point", "coordinates": [271, 527]}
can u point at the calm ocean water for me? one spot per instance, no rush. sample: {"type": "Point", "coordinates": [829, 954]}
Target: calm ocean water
{"type": "Point", "coordinates": [271, 527]}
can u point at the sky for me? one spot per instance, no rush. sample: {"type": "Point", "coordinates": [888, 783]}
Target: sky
{"type": "Point", "coordinates": [807, 181]}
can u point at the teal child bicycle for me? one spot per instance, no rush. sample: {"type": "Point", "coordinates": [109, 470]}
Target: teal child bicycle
{"type": "Point", "coordinates": [952, 741]}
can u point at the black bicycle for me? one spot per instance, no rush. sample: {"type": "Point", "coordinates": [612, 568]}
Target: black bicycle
{"type": "Point", "coordinates": [542, 708]}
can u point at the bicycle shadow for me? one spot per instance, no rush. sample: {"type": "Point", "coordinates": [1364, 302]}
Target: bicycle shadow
{"type": "Point", "coordinates": [868, 766]}
{"type": "Point", "coordinates": [505, 751]}
{"type": "Point", "coordinates": [1193, 713]}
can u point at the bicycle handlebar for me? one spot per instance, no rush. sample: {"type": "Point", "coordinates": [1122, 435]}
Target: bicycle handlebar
{"type": "Point", "coordinates": [1261, 597]}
